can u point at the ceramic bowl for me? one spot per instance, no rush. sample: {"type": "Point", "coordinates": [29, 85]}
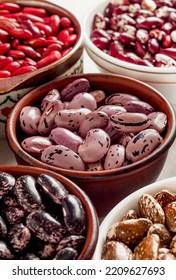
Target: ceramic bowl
{"type": "Point", "coordinates": [92, 223]}
{"type": "Point", "coordinates": [13, 88]}
{"type": "Point", "coordinates": [130, 202]}
{"type": "Point", "coordinates": [163, 79]}
{"type": "Point", "coordinates": [107, 187]}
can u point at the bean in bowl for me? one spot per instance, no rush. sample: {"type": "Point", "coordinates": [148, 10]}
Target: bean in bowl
{"type": "Point", "coordinates": [147, 233]}
{"type": "Point", "coordinates": [40, 218]}
{"type": "Point", "coordinates": [86, 130]}
{"type": "Point", "coordinates": [140, 32]}
{"type": "Point", "coordinates": [32, 38]}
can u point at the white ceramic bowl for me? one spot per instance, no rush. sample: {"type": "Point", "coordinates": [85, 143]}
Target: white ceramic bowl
{"type": "Point", "coordinates": [162, 79]}
{"type": "Point", "coordinates": [130, 202]}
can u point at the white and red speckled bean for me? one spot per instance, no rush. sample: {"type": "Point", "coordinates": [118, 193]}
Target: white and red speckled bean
{"type": "Point", "coordinates": [120, 98]}
{"type": "Point", "coordinates": [73, 88]}
{"type": "Point", "coordinates": [158, 121]}
{"type": "Point", "coordinates": [51, 95]}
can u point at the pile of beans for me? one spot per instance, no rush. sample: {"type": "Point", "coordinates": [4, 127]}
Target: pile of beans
{"type": "Point", "coordinates": [39, 219]}
{"type": "Point", "coordinates": [31, 38]}
{"type": "Point", "coordinates": [141, 32]}
{"type": "Point", "coordinates": [146, 234]}
{"type": "Point", "coordinates": [84, 130]}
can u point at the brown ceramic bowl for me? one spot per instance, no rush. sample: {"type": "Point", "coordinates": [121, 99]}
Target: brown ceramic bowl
{"type": "Point", "coordinates": [105, 188]}
{"type": "Point", "coordinates": [13, 88]}
{"type": "Point", "coordinates": [92, 224]}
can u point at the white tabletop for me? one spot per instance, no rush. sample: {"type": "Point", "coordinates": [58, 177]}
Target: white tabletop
{"type": "Point", "coordinates": [80, 8]}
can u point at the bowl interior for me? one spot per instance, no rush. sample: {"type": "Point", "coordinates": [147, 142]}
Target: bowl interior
{"type": "Point", "coordinates": [54, 69]}
{"type": "Point", "coordinates": [91, 215]}
{"type": "Point", "coordinates": [110, 84]}
{"type": "Point", "coordinates": [128, 203]}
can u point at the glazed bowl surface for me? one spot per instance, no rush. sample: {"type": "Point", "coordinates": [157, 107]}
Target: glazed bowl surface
{"type": "Point", "coordinates": [106, 187]}
{"type": "Point", "coordinates": [130, 202]}
{"type": "Point", "coordinates": [161, 78]}
{"type": "Point", "coordinates": [13, 88]}
{"type": "Point", "coordinates": [92, 223]}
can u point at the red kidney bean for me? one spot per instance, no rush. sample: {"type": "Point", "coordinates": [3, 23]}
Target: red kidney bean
{"type": "Point", "coordinates": [55, 23]}
{"type": "Point", "coordinates": [35, 11]}
{"type": "Point", "coordinates": [169, 51]}
{"type": "Point", "coordinates": [63, 35]}
{"type": "Point", "coordinates": [16, 54]}
{"type": "Point", "coordinates": [29, 25]}
{"type": "Point", "coordinates": [45, 28]}
{"type": "Point", "coordinates": [12, 66]}
{"type": "Point", "coordinates": [153, 46]}
{"type": "Point", "coordinates": [14, 43]}
{"type": "Point", "coordinates": [64, 52]}
{"type": "Point", "coordinates": [140, 49]}
{"type": "Point", "coordinates": [5, 61]}
{"type": "Point", "coordinates": [4, 74]}
{"type": "Point", "coordinates": [24, 70]}
{"type": "Point", "coordinates": [52, 57]}
{"type": "Point", "coordinates": [23, 16]}
{"type": "Point", "coordinates": [52, 47]}
{"type": "Point", "coordinates": [102, 43]}
{"type": "Point", "coordinates": [4, 36]}
{"type": "Point", "coordinates": [14, 31]}
{"type": "Point", "coordinates": [11, 7]}
{"type": "Point", "coordinates": [4, 48]}
{"type": "Point", "coordinates": [29, 51]}
{"type": "Point", "coordinates": [65, 22]}
{"type": "Point", "coordinates": [28, 61]}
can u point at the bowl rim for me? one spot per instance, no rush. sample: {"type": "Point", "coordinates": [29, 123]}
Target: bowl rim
{"type": "Point", "coordinates": [87, 22]}
{"type": "Point", "coordinates": [19, 152]}
{"type": "Point", "coordinates": [13, 82]}
{"type": "Point", "coordinates": [91, 216]}
{"type": "Point", "coordinates": [123, 206]}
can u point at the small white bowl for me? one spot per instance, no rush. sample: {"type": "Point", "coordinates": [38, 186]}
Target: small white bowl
{"type": "Point", "coordinates": [130, 202]}
{"type": "Point", "coordinates": [163, 79]}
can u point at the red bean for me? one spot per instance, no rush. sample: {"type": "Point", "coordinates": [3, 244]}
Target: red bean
{"type": "Point", "coordinates": [29, 51]}
{"type": "Point", "coordinates": [12, 66]}
{"type": "Point", "coordinates": [45, 28]}
{"type": "Point", "coordinates": [63, 35]}
{"type": "Point", "coordinates": [4, 36]}
{"type": "Point", "coordinates": [16, 54]}
{"type": "Point", "coordinates": [11, 7]}
{"type": "Point", "coordinates": [52, 57]}
{"type": "Point", "coordinates": [52, 47]}
{"type": "Point", "coordinates": [4, 48]}
{"type": "Point", "coordinates": [4, 74]}
{"type": "Point", "coordinates": [35, 11]}
{"type": "Point", "coordinates": [5, 61]}
{"type": "Point", "coordinates": [55, 23]}
{"type": "Point", "coordinates": [65, 22]}
{"type": "Point", "coordinates": [24, 70]}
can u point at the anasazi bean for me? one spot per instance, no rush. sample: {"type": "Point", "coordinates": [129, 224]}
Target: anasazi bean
{"type": "Point", "coordinates": [90, 132]}
{"type": "Point", "coordinates": [45, 220]}
{"type": "Point", "coordinates": [139, 32]}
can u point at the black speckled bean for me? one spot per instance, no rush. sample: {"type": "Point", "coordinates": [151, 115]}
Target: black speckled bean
{"type": "Point", "coordinates": [14, 215]}
{"type": "Point", "coordinates": [52, 187]}
{"type": "Point", "coordinates": [5, 252]}
{"type": "Point", "coordinates": [66, 254]}
{"type": "Point", "coordinates": [19, 237]}
{"type": "Point", "coordinates": [72, 241]}
{"type": "Point", "coordinates": [3, 228]}
{"type": "Point", "coordinates": [74, 214]}
{"type": "Point", "coordinates": [44, 226]}
{"type": "Point", "coordinates": [29, 256]}
{"type": "Point", "coordinates": [7, 183]}
{"type": "Point", "coordinates": [27, 194]}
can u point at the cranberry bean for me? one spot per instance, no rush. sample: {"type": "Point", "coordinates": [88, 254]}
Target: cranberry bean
{"type": "Point", "coordinates": [29, 119]}
{"type": "Point", "coordinates": [77, 86]}
{"type": "Point", "coordinates": [120, 99]}
{"type": "Point", "coordinates": [139, 106]}
{"type": "Point", "coordinates": [35, 144]}
{"type": "Point", "coordinates": [52, 95]}
{"type": "Point", "coordinates": [115, 157]}
{"type": "Point", "coordinates": [158, 121]}
{"type": "Point", "coordinates": [83, 100]}
{"type": "Point", "coordinates": [153, 46]}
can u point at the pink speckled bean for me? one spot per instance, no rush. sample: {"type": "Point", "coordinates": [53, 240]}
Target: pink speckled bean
{"type": "Point", "coordinates": [158, 121]}
{"type": "Point", "coordinates": [51, 95]}
{"type": "Point", "coordinates": [63, 157]}
{"type": "Point", "coordinates": [71, 119]}
{"type": "Point", "coordinates": [36, 144]}
{"type": "Point", "coordinates": [139, 106]}
{"type": "Point", "coordinates": [83, 100]}
{"type": "Point", "coordinates": [111, 109]}
{"type": "Point", "coordinates": [63, 136]}
{"type": "Point", "coordinates": [29, 119]}
{"type": "Point", "coordinates": [115, 157]}
{"type": "Point", "coordinates": [94, 119]}
{"type": "Point", "coordinates": [73, 88]}
{"type": "Point", "coordinates": [120, 98]}
{"type": "Point", "coordinates": [142, 144]}
{"type": "Point", "coordinates": [47, 123]}
{"type": "Point", "coordinates": [95, 146]}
